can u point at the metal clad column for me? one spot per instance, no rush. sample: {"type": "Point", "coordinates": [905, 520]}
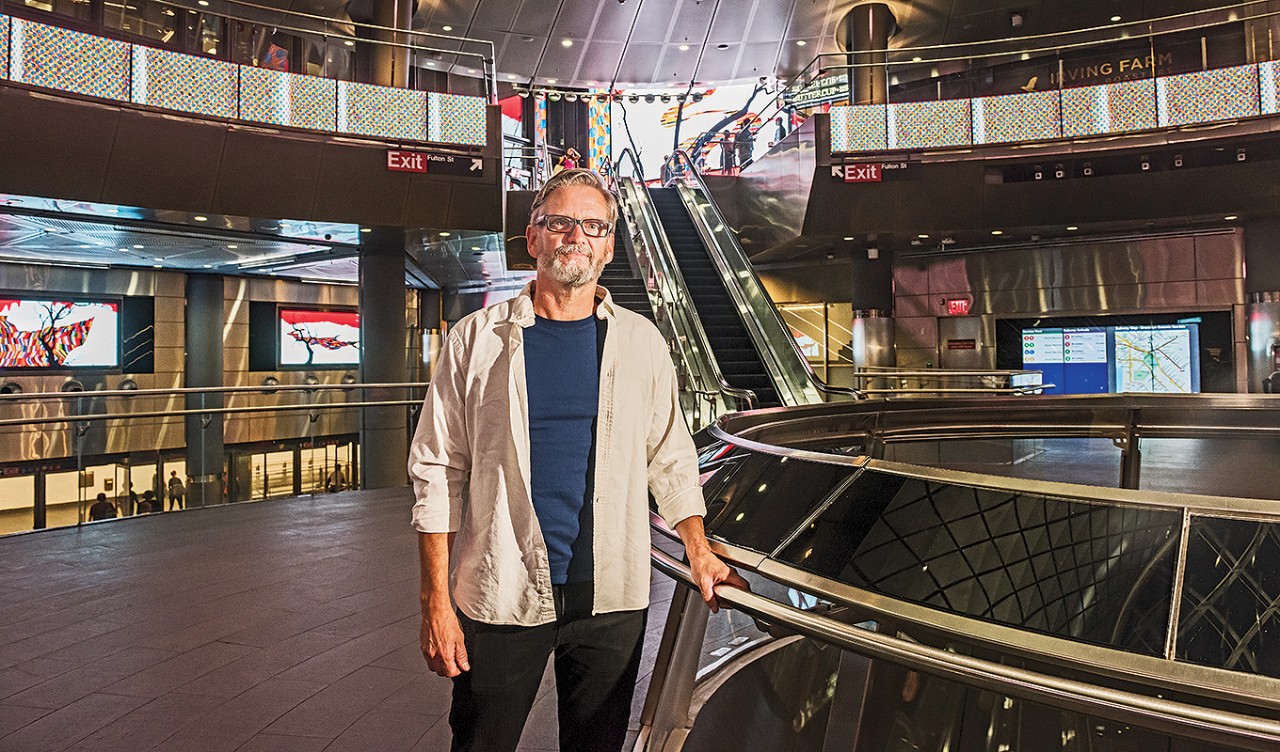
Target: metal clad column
{"type": "Point", "coordinates": [384, 439]}
{"type": "Point", "coordinates": [1262, 306]}
{"type": "Point", "coordinates": [872, 300]}
{"type": "Point", "coordinates": [865, 32]}
{"type": "Point", "coordinates": [385, 64]}
{"type": "Point", "coordinates": [205, 322]}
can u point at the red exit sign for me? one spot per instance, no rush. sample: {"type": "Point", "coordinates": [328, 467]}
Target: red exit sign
{"type": "Point", "coordinates": [863, 173]}
{"type": "Point", "coordinates": [406, 161]}
{"type": "Point", "coordinates": [958, 307]}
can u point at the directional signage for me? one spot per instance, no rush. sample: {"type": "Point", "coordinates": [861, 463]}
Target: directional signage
{"type": "Point", "coordinates": [434, 163]}
{"type": "Point", "coordinates": [868, 172]}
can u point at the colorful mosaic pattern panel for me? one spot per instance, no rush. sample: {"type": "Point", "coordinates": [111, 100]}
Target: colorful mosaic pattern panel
{"type": "Point", "coordinates": [455, 119]}
{"type": "Point", "coordinates": [268, 96]}
{"type": "Point", "coordinates": [924, 125]}
{"type": "Point", "coordinates": [1269, 87]}
{"type": "Point", "coordinates": [598, 125]}
{"type": "Point", "coordinates": [4, 46]}
{"type": "Point", "coordinates": [184, 82]}
{"type": "Point", "coordinates": [1109, 108]}
{"type": "Point", "coordinates": [859, 128]}
{"type": "Point", "coordinates": [1207, 96]}
{"type": "Point", "coordinates": [55, 58]}
{"type": "Point", "coordinates": [539, 121]}
{"type": "Point", "coordinates": [382, 111]}
{"type": "Point", "coordinates": [1016, 117]}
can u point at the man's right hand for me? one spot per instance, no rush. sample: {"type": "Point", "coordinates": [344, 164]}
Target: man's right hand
{"type": "Point", "coordinates": [442, 643]}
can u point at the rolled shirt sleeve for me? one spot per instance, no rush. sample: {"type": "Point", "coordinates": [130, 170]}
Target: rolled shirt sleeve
{"type": "Point", "coordinates": [439, 455]}
{"type": "Point", "coordinates": [673, 460]}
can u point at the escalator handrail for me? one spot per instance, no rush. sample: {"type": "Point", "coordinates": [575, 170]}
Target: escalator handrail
{"type": "Point", "coordinates": [1170, 716]}
{"type": "Point", "coordinates": [676, 170]}
{"type": "Point", "coordinates": [669, 270]}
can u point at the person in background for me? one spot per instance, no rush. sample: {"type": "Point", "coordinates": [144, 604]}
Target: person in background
{"type": "Point", "coordinates": [177, 491]}
{"type": "Point", "coordinates": [103, 509]}
{"type": "Point", "coordinates": [337, 480]}
{"type": "Point", "coordinates": [550, 419]}
{"type": "Point", "coordinates": [744, 141]}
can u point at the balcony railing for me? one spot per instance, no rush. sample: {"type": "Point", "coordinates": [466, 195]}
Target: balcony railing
{"type": "Point", "coordinates": [60, 59]}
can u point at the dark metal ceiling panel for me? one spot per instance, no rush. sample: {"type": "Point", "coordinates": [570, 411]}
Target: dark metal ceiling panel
{"type": "Point", "coordinates": [539, 18]}
{"type": "Point", "coordinates": [638, 65]}
{"type": "Point", "coordinates": [515, 55]}
{"type": "Point", "coordinates": [656, 21]}
{"type": "Point", "coordinates": [613, 23]}
{"type": "Point", "coordinates": [496, 15]}
{"type": "Point", "coordinates": [736, 26]}
{"type": "Point", "coordinates": [598, 67]}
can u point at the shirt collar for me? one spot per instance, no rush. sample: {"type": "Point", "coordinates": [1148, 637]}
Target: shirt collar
{"type": "Point", "coordinates": [522, 308]}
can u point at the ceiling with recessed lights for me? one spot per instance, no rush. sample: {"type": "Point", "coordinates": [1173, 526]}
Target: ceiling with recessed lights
{"type": "Point", "coordinates": [676, 43]}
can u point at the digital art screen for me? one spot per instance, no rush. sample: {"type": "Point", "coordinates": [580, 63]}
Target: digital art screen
{"type": "Point", "coordinates": [59, 334]}
{"type": "Point", "coordinates": [319, 338]}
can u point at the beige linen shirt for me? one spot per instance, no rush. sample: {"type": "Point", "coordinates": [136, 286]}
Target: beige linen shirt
{"type": "Point", "coordinates": [469, 462]}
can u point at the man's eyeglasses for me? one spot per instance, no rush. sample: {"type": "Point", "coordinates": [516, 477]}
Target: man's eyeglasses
{"type": "Point", "coordinates": [560, 224]}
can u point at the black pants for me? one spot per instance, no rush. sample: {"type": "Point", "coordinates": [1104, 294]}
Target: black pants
{"type": "Point", "coordinates": [597, 659]}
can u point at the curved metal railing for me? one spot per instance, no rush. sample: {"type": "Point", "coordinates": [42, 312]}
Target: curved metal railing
{"type": "Point", "coordinates": [1222, 700]}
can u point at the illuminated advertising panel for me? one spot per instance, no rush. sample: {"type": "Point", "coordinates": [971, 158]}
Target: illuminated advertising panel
{"type": "Point", "coordinates": [1157, 359]}
{"type": "Point", "coordinates": [59, 334]}
{"type": "Point", "coordinates": [319, 338]}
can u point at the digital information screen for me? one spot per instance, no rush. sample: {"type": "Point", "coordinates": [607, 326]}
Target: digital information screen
{"type": "Point", "coordinates": [319, 338]}
{"type": "Point", "coordinates": [59, 334]}
{"type": "Point", "coordinates": [1157, 359]}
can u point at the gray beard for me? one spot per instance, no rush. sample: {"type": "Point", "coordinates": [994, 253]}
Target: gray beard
{"type": "Point", "coordinates": [576, 275]}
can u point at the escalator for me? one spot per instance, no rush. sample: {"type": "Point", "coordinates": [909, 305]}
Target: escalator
{"type": "Point", "coordinates": [621, 281]}
{"type": "Point", "coordinates": [731, 343]}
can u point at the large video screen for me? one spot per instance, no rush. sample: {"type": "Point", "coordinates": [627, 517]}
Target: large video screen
{"type": "Point", "coordinates": [319, 338]}
{"type": "Point", "coordinates": [59, 334]}
{"type": "Point", "coordinates": [1156, 359]}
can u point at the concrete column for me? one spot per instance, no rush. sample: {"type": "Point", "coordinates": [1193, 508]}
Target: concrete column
{"type": "Point", "coordinates": [865, 32]}
{"type": "Point", "coordinates": [384, 64]}
{"type": "Point", "coordinates": [384, 438]}
{"type": "Point", "coordinates": [205, 320]}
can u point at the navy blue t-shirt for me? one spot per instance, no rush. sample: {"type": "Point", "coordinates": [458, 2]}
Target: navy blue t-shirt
{"type": "Point", "coordinates": [562, 377]}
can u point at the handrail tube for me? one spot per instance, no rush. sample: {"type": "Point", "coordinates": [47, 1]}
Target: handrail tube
{"type": "Point", "coordinates": [1204, 724]}
{"type": "Point", "coordinates": [41, 396]}
{"type": "Point", "coordinates": [201, 411]}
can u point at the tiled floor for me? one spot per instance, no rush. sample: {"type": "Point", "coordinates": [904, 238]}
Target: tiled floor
{"type": "Point", "coordinates": [285, 626]}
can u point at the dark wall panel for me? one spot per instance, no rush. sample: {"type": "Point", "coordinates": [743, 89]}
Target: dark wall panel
{"type": "Point", "coordinates": [164, 163]}
{"type": "Point", "coordinates": [67, 148]}
{"type": "Point", "coordinates": [55, 147]}
{"type": "Point", "coordinates": [268, 174]}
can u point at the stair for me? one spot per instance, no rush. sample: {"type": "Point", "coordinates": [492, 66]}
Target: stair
{"type": "Point", "coordinates": [721, 320]}
{"type": "Point", "coordinates": [626, 289]}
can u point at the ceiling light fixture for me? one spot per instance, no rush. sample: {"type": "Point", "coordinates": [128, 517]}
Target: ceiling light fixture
{"type": "Point", "coordinates": [200, 218]}
{"type": "Point", "coordinates": [997, 232]}
{"type": "Point", "coordinates": [800, 43]}
{"type": "Point", "coordinates": [1231, 218]}
{"type": "Point", "coordinates": [566, 42]}
{"type": "Point", "coordinates": [684, 48]}
{"type": "Point", "coordinates": [1072, 228]}
{"type": "Point", "coordinates": [232, 247]}
{"type": "Point", "coordinates": [447, 27]}
{"type": "Point", "coordinates": [722, 46]}
{"type": "Point", "coordinates": [1115, 19]}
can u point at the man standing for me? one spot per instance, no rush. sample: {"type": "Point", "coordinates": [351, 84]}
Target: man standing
{"type": "Point", "coordinates": [548, 418]}
{"type": "Point", "coordinates": [177, 491]}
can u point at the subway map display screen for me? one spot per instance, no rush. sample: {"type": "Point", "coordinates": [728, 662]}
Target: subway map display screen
{"type": "Point", "coordinates": [1155, 359]}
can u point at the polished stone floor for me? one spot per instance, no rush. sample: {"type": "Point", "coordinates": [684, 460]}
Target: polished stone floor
{"type": "Point", "coordinates": [283, 626]}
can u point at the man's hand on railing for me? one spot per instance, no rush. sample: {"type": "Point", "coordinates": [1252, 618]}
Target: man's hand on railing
{"type": "Point", "coordinates": [709, 572]}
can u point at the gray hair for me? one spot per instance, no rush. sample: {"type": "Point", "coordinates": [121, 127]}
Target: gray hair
{"type": "Point", "coordinates": [575, 177]}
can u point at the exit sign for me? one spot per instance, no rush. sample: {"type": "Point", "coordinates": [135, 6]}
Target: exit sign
{"type": "Point", "coordinates": [406, 161]}
{"type": "Point", "coordinates": [958, 307]}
